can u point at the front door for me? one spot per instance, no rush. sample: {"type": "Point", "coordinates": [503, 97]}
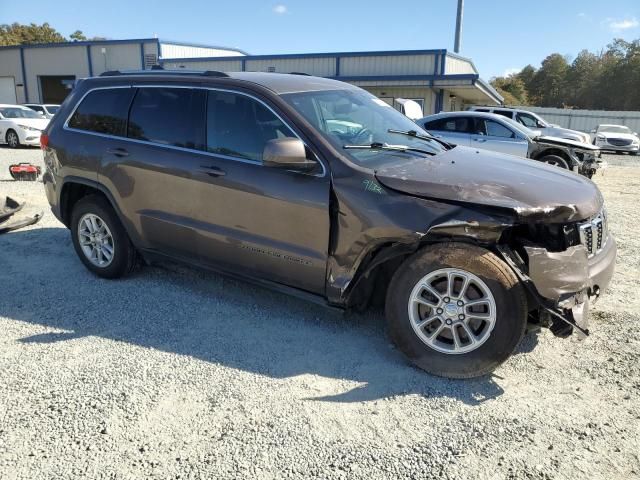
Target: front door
{"type": "Point", "coordinates": [491, 135]}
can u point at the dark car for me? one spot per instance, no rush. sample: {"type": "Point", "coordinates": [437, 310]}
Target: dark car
{"type": "Point", "coordinates": [316, 188]}
{"type": "Point", "coordinates": [490, 131]}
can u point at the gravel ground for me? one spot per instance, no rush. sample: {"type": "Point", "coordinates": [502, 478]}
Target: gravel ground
{"type": "Point", "coordinates": [175, 373]}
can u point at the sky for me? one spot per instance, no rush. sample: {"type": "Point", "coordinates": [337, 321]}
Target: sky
{"type": "Point", "coordinates": [500, 36]}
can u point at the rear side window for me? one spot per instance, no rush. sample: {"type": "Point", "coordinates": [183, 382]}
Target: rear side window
{"type": "Point", "coordinates": [168, 116]}
{"type": "Point", "coordinates": [504, 113]}
{"type": "Point", "coordinates": [240, 126]}
{"type": "Point", "coordinates": [103, 111]}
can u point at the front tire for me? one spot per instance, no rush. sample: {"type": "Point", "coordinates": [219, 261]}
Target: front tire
{"type": "Point", "coordinates": [456, 310]}
{"type": "Point", "coordinates": [100, 240]}
{"type": "Point", "coordinates": [12, 139]}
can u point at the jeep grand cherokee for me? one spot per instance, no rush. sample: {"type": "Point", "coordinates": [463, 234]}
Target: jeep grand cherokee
{"type": "Point", "coordinates": [319, 189]}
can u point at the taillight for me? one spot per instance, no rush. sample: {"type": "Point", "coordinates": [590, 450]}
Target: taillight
{"type": "Point", "coordinates": [44, 141]}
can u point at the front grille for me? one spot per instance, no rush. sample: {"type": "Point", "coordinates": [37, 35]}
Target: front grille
{"type": "Point", "coordinates": [593, 233]}
{"type": "Point", "coordinates": [619, 142]}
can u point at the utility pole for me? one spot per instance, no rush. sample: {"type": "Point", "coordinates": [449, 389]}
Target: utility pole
{"type": "Point", "coordinates": [456, 47]}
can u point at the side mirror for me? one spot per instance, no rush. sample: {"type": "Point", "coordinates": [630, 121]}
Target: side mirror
{"type": "Point", "coordinates": [287, 153]}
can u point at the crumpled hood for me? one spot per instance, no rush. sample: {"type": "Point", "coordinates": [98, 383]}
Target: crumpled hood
{"type": "Point", "coordinates": [566, 142]}
{"type": "Point", "coordinates": [565, 133]}
{"type": "Point", "coordinates": [536, 192]}
{"type": "Point", "coordinates": [39, 123]}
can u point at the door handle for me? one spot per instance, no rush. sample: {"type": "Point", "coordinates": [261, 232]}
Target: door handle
{"type": "Point", "coordinates": [118, 152]}
{"type": "Point", "coordinates": [212, 171]}
{"type": "Point", "coordinates": [481, 140]}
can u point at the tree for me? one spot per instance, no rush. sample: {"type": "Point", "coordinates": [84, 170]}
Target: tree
{"type": "Point", "coordinates": [17, 34]}
{"type": "Point", "coordinates": [512, 89]}
{"type": "Point", "coordinates": [77, 36]}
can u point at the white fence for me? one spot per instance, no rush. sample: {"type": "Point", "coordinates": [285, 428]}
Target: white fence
{"type": "Point", "coordinates": [587, 120]}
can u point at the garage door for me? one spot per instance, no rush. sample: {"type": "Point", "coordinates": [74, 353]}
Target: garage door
{"type": "Point", "coordinates": [7, 90]}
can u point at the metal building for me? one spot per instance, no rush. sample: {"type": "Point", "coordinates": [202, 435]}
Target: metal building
{"type": "Point", "coordinates": [437, 79]}
{"type": "Point", "coordinates": [44, 73]}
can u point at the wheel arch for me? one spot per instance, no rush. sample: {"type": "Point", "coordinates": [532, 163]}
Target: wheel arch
{"type": "Point", "coordinates": [555, 151]}
{"type": "Point", "coordinates": [75, 188]}
{"type": "Point", "coordinates": [375, 271]}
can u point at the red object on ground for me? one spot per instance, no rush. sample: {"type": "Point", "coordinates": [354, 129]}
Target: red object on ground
{"type": "Point", "coordinates": [24, 171]}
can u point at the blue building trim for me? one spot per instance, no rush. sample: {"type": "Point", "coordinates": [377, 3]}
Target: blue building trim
{"type": "Point", "coordinates": [89, 62]}
{"type": "Point", "coordinates": [462, 76]}
{"type": "Point", "coordinates": [142, 55]}
{"type": "Point", "coordinates": [80, 44]}
{"type": "Point", "coordinates": [24, 76]}
{"type": "Point", "coordinates": [439, 101]}
{"type": "Point", "coordinates": [244, 65]}
{"type": "Point", "coordinates": [337, 66]}
{"type": "Point", "coordinates": [386, 53]}
{"type": "Point", "coordinates": [443, 64]}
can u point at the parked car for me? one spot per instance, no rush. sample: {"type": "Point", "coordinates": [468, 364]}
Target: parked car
{"type": "Point", "coordinates": [47, 110]}
{"type": "Point", "coordinates": [266, 177]}
{"type": "Point", "coordinates": [20, 125]}
{"type": "Point", "coordinates": [500, 134]}
{"type": "Point", "coordinates": [534, 121]}
{"type": "Point", "coordinates": [617, 138]}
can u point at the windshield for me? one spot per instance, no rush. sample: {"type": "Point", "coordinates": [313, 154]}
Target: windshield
{"type": "Point", "coordinates": [521, 128]}
{"type": "Point", "coordinates": [52, 109]}
{"type": "Point", "coordinates": [614, 129]}
{"type": "Point", "coordinates": [14, 112]}
{"type": "Point", "coordinates": [355, 117]}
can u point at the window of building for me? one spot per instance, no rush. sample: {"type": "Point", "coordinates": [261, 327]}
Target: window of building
{"type": "Point", "coordinates": [168, 116]}
{"type": "Point", "coordinates": [240, 126]}
{"type": "Point", "coordinates": [103, 111]}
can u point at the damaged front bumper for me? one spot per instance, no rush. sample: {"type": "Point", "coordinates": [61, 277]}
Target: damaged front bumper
{"type": "Point", "coordinates": [565, 282]}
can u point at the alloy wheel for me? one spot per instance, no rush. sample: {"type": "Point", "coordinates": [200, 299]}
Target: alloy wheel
{"type": "Point", "coordinates": [452, 311]}
{"type": "Point", "coordinates": [96, 240]}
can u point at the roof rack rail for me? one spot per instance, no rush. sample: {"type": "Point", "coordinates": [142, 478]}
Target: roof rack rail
{"type": "Point", "coordinates": [299, 73]}
{"type": "Point", "coordinates": [214, 73]}
{"type": "Point", "coordinates": [162, 71]}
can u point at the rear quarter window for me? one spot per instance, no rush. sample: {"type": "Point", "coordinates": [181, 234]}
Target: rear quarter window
{"type": "Point", "coordinates": [103, 111]}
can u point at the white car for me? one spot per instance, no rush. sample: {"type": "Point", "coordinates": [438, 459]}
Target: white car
{"type": "Point", "coordinates": [535, 122]}
{"type": "Point", "coordinates": [617, 138]}
{"type": "Point", "coordinates": [20, 125]}
{"type": "Point", "coordinates": [48, 110]}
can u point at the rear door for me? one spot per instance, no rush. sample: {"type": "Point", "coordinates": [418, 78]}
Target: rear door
{"type": "Point", "coordinates": [491, 135]}
{"type": "Point", "coordinates": [455, 130]}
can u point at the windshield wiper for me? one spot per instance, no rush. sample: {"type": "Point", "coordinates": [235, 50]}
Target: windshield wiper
{"type": "Point", "coordinates": [386, 146]}
{"type": "Point", "coordinates": [414, 134]}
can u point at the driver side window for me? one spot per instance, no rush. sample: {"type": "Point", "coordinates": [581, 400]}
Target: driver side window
{"type": "Point", "coordinates": [495, 129]}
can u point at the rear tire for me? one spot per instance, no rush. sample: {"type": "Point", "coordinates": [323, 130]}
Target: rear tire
{"type": "Point", "coordinates": [100, 240]}
{"type": "Point", "coordinates": [556, 161]}
{"type": "Point", "coordinates": [12, 139]}
{"type": "Point", "coordinates": [445, 355]}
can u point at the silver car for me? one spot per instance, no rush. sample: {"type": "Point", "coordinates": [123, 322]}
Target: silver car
{"type": "Point", "coordinates": [488, 131]}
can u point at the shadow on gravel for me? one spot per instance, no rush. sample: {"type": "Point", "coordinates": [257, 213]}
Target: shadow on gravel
{"type": "Point", "coordinates": [210, 318]}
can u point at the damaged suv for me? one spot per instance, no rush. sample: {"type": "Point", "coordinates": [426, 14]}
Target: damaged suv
{"type": "Point", "coordinates": [316, 188]}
